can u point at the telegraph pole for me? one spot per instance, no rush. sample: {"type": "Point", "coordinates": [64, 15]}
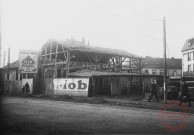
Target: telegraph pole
{"type": "Point", "coordinates": [4, 59]}
{"type": "Point", "coordinates": [8, 70]}
{"type": "Point", "coordinates": [0, 36]}
{"type": "Point", "coordinates": [164, 42]}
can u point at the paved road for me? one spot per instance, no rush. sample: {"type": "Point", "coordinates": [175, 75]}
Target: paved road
{"type": "Point", "coordinates": [37, 116]}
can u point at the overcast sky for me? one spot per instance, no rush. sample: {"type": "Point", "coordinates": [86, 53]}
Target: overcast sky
{"type": "Point", "coordinates": [131, 25]}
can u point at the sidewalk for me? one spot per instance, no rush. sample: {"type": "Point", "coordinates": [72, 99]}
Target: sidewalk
{"type": "Point", "coordinates": [143, 103]}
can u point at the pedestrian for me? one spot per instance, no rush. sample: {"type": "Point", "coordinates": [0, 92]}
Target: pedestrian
{"type": "Point", "coordinates": [185, 93]}
{"type": "Point", "coordinates": [153, 92]}
{"type": "Point", "coordinates": [23, 89]}
{"type": "Point", "coordinates": [27, 87]}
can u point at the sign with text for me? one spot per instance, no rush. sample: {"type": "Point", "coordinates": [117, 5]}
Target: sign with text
{"type": "Point", "coordinates": [28, 61]}
{"type": "Point", "coordinates": [71, 86]}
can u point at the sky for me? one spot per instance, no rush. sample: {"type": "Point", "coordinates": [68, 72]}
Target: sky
{"type": "Point", "coordinates": [132, 25]}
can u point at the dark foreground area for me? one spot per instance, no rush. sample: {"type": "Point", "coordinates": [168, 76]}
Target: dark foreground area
{"type": "Point", "coordinates": [38, 116]}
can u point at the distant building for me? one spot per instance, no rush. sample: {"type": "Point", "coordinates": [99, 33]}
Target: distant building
{"type": "Point", "coordinates": [12, 79]}
{"type": "Point", "coordinates": [188, 58]}
{"type": "Point", "coordinates": [155, 66]}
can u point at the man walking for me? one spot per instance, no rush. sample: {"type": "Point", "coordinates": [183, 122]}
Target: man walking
{"type": "Point", "coordinates": [153, 92]}
{"type": "Point", "coordinates": [185, 93]}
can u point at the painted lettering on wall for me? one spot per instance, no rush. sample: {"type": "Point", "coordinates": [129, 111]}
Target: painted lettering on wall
{"type": "Point", "coordinates": [71, 84]}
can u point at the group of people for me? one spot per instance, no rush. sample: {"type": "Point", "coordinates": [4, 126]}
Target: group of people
{"type": "Point", "coordinates": [26, 88]}
{"type": "Point", "coordinates": [183, 93]}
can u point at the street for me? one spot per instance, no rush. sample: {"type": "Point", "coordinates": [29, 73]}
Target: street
{"type": "Point", "coordinates": [37, 116]}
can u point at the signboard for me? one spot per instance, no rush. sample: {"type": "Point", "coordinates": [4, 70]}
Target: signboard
{"type": "Point", "coordinates": [71, 86]}
{"type": "Point", "coordinates": [28, 61]}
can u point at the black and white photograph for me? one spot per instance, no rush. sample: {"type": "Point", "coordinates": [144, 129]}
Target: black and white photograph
{"type": "Point", "coordinates": [96, 67]}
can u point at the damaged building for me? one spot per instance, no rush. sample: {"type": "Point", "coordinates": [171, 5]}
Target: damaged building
{"type": "Point", "coordinates": [78, 69]}
{"type": "Point", "coordinates": [109, 71]}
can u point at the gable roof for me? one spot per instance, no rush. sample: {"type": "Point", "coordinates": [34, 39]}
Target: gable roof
{"type": "Point", "coordinates": [189, 45]}
{"type": "Point", "coordinates": [14, 64]}
{"type": "Point", "coordinates": [172, 63]}
{"type": "Point", "coordinates": [73, 45]}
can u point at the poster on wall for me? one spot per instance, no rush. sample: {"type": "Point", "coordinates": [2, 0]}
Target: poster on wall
{"type": "Point", "coordinates": [71, 86]}
{"type": "Point", "coordinates": [28, 61]}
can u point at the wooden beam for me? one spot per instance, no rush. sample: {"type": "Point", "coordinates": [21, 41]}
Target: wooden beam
{"type": "Point", "coordinates": [64, 52]}
{"type": "Point", "coordinates": [45, 52]}
{"type": "Point", "coordinates": [140, 66]}
{"type": "Point", "coordinates": [124, 58]}
{"type": "Point", "coordinates": [55, 65]}
{"type": "Point", "coordinates": [56, 52]}
{"type": "Point", "coordinates": [89, 57]}
{"type": "Point", "coordinates": [51, 51]}
{"type": "Point", "coordinates": [100, 57]}
{"type": "Point", "coordinates": [67, 63]}
{"type": "Point", "coordinates": [129, 65]}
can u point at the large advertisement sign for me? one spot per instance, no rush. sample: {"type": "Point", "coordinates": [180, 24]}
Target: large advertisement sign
{"type": "Point", "coordinates": [71, 86]}
{"type": "Point", "coordinates": [28, 61]}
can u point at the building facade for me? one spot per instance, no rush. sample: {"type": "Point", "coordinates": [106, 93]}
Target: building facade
{"type": "Point", "coordinates": [155, 66]}
{"type": "Point", "coordinates": [188, 58]}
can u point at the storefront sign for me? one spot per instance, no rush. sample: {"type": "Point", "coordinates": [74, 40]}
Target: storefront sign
{"type": "Point", "coordinates": [28, 61]}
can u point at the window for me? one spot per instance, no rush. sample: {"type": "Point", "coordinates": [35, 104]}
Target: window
{"type": "Point", "coordinates": [189, 44]}
{"type": "Point", "coordinates": [193, 55]}
{"type": "Point", "coordinates": [161, 72]}
{"type": "Point", "coordinates": [174, 73]}
{"type": "Point", "coordinates": [30, 75]}
{"type": "Point", "coordinates": [189, 69]}
{"type": "Point", "coordinates": [154, 72]}
{"type": "Point", "coordinates": [7, 76]}
{"type": "Point", "coordinates": [21, 76]}
{"type": "Point", "coordinates": [189, 56]}
{"type": "Point", "coordinates": [168, 73]}
{"type": "Point", "coordinates": [146, 71]}
{"type": "Point", "coordinates": [16, 76]}
{"type": "Point", "coordinates": [193, 67]}
{"type": "Point", "coordinates": [24, 75]}
{"type": "Point", "coordinates": [58, 73]}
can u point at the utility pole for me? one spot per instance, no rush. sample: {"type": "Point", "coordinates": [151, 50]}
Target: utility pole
{"type": "Point", "coordinates": [164, 42]}
{"type": "Point", "coordinates": [0, 36]}
{"type": "Point", "coordinates": [8, 70]}
{"type": "Point", "coordinates": [4, 59]}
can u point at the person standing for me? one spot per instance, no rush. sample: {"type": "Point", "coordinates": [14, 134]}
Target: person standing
{"type": "Point", "coordinates": [23, 89]}
{"type": "Point", "coordinates": [153, 92]}
{"type": "Point", "coordinates": [185, 93]}
{"type": "Point", "coordinates": [27, 87]}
